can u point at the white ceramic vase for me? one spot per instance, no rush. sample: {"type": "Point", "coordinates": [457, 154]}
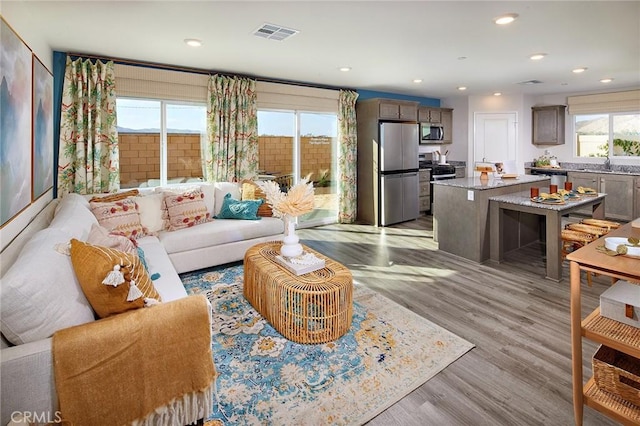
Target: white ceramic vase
{"type": "Point", "coordinates": [290, 244]}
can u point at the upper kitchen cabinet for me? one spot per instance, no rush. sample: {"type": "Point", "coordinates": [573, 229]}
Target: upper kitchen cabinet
{"type": "Point", "coordinates": [429, 115]}
{"type": "Point", "coordinates": [389, 109]}
{"type": "Point", "coordinates": [548, 125]}
{"type": "Point", "coordinates": [447, 124]}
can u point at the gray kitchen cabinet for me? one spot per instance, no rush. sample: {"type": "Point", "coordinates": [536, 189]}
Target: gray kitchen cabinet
{"type": "Point", "coordinates": [425, 190]}
{"type": "Point", "coordinates": [447, 124]}
{"type": "Point", "coordinates": [636, 212]}
{"type": "Point", "coordinates": [619, 201]}
{"type": "Point", "coordinates": [619, 204]}
{"type": "Point", "coordinates": [396, 110]}
{"type": "Point", "coordinates": [429, 115]}
{"type": "Point", "coordinates": [547, 125]}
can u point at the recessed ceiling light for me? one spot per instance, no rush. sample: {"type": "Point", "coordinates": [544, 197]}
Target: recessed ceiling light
{"type": "Point", "coordinates": [193, 42]}
{"type": "Point", "coordinates": [579, 70]}
{"type": "Point", "coordinates": [606, 80]}
{"type": "Point", "coordinates": [417, 80]}
{"type": "Point", "coordinates": [537, 56]}
{"type": "Point", "coordinates": [497, 94]}
{"type": "Point", "coordinates": [345, 69]}
{"type": "Point", "coordinates": [505, 19]}
{"type": "Point", "coordinates": [462, 88]}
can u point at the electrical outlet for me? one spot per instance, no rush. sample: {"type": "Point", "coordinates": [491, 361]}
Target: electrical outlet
{"type": "Point", "coordinates": [470, 195]}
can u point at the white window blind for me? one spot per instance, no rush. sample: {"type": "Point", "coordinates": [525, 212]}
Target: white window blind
{"type": "Point", "coordinates": [628, 101]}
{"type": "Point", "coordinates": [153, 83]}
{"type": "Point", "coordinates": [291, 97]}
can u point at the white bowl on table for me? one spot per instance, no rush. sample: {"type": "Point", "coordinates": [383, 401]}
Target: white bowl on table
{"type": "Point", "coordinates": [612, 243]}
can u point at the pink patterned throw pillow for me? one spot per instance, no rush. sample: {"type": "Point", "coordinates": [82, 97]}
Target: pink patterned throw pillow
{"type": "Point", "coordinates": [119, 217]}
{"type": "Point", "coordinates": [186, 209]}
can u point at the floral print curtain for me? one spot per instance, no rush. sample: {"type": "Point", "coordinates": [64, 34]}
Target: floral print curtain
{"type": "Point", "coordinates": [232, 127]}
{"type": "Point", "coordinates": [347, 156]}
{"type": "Point", "coordinates": [88, 159]}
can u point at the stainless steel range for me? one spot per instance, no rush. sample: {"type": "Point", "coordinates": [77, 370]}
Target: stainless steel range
{"type": "Point", "coordinates": [438, 172]}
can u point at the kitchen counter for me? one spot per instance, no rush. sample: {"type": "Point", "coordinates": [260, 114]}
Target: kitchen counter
{"type": "Point", "coordinates": [461, 213]}
{"type": "Point", "coordinates": [492, 183]}
{"type": "Point", "coordinates": [615, 169]}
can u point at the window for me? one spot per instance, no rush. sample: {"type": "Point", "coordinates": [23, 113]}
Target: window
{"type": "Point", "coordinates": [294, 145]}
{"type": "Point", "coordinates": [160, 141]}
{"type": "Point", "coordinates": [603, 135]}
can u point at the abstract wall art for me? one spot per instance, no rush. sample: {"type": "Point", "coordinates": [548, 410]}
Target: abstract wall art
{"type": "Point", "coordinates": [42, 129]}
{"type": "Point", "coordinates": [15, 124]}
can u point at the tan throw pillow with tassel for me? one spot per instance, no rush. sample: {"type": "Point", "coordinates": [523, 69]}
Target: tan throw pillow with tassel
{"type": "Point", "coordinates": [112, 281]}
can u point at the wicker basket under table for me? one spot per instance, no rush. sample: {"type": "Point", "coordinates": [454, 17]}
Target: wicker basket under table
{"type": "Point", "coordinates": [311, 308]}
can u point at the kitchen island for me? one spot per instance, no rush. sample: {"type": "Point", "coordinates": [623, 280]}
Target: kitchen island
{"type": "Point", "coordinates": [502, 206]}
{"type": "Point", "coordinates": [461, 214]}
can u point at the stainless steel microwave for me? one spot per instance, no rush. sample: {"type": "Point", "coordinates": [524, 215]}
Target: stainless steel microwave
{"type": "Point", "coordinates": [431, 133]}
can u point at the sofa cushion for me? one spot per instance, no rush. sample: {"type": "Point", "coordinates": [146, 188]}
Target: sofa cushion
{"type": "Point", "coordinates": [39, 293]}
{"type": "Point", "coordinates": [236, 209]}
{"type": "Point", "coordinates": [119, 217]}
{"type": "Point", "coordinates": [251, 191]}
{"type": "Point", "coordinates": [72, 215]}
{"type": "Point", "coordinates": [168, 284]}
{"type": "Point", "coordinates": [100, 236]}
{"type": "Point", "coordinates": [186, 209]}
{"type": "Point", "coordinates": [207, 189]}
{"type": "Point", "coordinates": [93, 264]}
{"type": "Point", "coordinates": [219, 231]}
{"type": "Point", "coordinates": [150, 209]}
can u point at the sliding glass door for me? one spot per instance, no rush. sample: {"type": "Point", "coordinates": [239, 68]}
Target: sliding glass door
{"type": "Point", "coordinates": [294, 145]}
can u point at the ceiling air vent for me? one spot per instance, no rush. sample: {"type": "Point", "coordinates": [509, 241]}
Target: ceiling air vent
{"type": "Point", "coordinates": [530, 82]}
{"type": "Point", "coordinates": [274, 32]}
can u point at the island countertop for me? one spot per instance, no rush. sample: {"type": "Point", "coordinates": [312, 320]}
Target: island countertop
{"type": "Point", "coordinates": [491, 183]}
{"type": "Point", "coordinates": [523, 199]}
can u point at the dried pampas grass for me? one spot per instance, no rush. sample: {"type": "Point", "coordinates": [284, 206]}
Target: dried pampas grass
{"type": "Point", "coordinates": [298, 201]}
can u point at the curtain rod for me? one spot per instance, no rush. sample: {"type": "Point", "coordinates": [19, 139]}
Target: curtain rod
{"type": "Point", "coordinates": [156, 65]}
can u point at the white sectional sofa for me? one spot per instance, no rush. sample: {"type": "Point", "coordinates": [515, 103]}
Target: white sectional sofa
{"type": "Point", "coordinates": [40, 293]}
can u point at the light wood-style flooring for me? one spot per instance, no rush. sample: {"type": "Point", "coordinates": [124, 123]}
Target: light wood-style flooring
{"type": "Point", "coordinates": [519, 373]}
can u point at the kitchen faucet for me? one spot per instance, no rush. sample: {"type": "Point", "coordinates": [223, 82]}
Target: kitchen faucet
{"type": "Point", "coordinates": [607, 164]}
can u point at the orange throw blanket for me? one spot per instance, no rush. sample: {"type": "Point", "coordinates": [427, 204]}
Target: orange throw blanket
{"type": "Point", "coordinates": [148, 366]}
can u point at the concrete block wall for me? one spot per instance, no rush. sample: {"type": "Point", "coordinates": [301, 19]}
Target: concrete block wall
{"type": "Point", "coordinates": [276, 155]}
{"type": "Point", "coordinates": [140, 156]}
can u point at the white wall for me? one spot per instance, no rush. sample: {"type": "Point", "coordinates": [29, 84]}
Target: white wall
{"type": "Point", "coordinates": [463, 127]}
{"type": "Point", "coordinates": [464, 111]}
{"type": "Point", "coordinates": [44, 52]}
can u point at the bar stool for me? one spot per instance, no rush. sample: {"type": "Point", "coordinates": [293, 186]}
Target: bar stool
{"type": "Point", "coordinates": [597, 231]}
{"type": "Point", "coordinates": [609, 225]}
{"type": "Point", "coordinates": [573, 240]}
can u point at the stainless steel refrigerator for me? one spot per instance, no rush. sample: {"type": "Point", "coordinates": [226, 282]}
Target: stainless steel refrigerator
{"type": "Point", "coordinates": [399, 183]}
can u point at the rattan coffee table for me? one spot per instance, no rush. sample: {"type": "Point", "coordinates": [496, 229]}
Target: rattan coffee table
{"type": "Point", "coordinates": [311, 308]}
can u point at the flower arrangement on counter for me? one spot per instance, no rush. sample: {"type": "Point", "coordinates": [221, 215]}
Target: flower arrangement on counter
{"type": "Point", "coordinates": [297, 201]}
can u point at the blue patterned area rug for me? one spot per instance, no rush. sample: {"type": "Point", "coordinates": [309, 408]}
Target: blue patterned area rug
{"type": "Point", "coordinates": [265, 379]}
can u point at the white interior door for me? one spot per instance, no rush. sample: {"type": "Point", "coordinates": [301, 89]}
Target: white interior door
{"type": "Point", "coordinates": [495, 137]}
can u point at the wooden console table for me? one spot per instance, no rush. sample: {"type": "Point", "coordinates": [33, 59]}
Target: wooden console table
{"type": "Point", "coordinates": [311, 308]}
{"type": "Point", "coordinates": [611, 333]}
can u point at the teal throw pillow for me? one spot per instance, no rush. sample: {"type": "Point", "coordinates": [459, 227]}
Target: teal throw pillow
{"type": "Point", "coordinates": [236, 209]}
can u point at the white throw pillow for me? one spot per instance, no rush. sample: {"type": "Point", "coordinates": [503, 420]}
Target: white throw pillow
{"type": "Point", "coordinates": [72, 215]}
{"type": "Point", "coordinates": [150, 210]}
{"type": "Point", "coordinates": [40, 294]}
